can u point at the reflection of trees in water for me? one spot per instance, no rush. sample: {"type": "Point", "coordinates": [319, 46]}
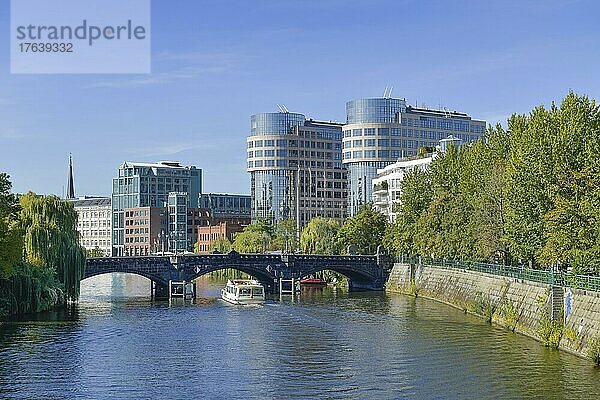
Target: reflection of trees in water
{"type": "Point", "coordinates": [332, 277]}
{"type": "Point", "coordinates": [228, 273]}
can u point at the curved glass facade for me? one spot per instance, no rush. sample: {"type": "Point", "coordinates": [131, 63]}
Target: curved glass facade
{"type": "Point", "coordinates": [296, 168]}
{"type": "Point", "coordinates": [379, 110]}
{"type": "Point", "coordinates": [275, 123]}
{"type": "Point", "coordinates": [360, 176]}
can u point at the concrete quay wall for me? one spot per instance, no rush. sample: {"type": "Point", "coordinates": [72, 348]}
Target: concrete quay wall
{"type": "Point", "coordinates": [557, 316]}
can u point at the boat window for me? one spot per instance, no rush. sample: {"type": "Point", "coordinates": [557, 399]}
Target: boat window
{"type": "Point", "coordinates": [245, 292]}
{"type": "Point", "coordinates": [257, 291]}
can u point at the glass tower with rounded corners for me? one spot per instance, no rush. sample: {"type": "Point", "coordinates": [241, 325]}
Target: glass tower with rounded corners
{"type": "Point", "coordinates": [296, 168]}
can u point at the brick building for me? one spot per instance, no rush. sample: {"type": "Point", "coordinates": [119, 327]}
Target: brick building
{"type": "Point", "coordinates": [209, 234]}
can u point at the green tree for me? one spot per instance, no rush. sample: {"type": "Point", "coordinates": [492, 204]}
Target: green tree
{"type": "Point", "coordinates": [51, 239]}
{"type": "Point", "coordinates": [256, 238]}
{"type": "Point", "coordinates": [320, 236]}
{"type": "Point", "coordinates": [95, 252]}
{"type": "Point", "coordinates": [222, 245]}
{"type": "Point", "coordinates": [364, 231]}
{"type": "Point", "coordinates": [572, 222]}
{"type": "Point", "coordinates": [528, 179]}
{"type": "Point", "coordinates": [286, 236]}
{"type": "Point", "coordinates": [11, 238]}
{"type": "Point", "coordinates": [414, 200]}
{"type": "Point", "coordinates": [441, 229]}
{"type": "Point", "coordinates": [250, 241]}
{"type": "Point", "coordinates": [263, 226]}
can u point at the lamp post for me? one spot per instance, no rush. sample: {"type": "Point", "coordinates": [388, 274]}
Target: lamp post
{"type": "Point", "coordinates": [161, 239]}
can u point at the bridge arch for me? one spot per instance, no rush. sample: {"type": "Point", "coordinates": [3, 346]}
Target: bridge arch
{"type": "Point", "coordinates": [152, 277]}
{"type": "Point", "coordinates": [261, 276]}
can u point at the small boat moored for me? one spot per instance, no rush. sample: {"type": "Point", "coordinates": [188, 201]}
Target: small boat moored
{"type": "Point", "coordinates": [312, 282]}
{"type": "Point", "coordinates": [248, 291]}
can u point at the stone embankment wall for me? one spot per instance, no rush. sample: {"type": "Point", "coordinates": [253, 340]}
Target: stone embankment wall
{"type": "Point", "coordinates": [533, 309]}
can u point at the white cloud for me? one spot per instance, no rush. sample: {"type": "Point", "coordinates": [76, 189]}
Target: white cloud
{"type": "Point", "coordinates": [176, 67]}
{"type": "Point", "coordinates": [169, 149]}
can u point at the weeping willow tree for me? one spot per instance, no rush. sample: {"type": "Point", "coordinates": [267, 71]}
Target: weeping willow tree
{"type": "Point", "coordinates": [51, 239]}
{"type": "Point", "coordinates": [29, 290]}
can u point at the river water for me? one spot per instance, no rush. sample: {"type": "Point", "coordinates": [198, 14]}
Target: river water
{"type": "Point", "coordinates": [118, 344]}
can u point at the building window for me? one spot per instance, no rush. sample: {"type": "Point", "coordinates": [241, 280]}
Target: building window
{"type": "Point", "coordinates": [370, 153]}
{"type": "Point", "coordinates": [369, 131]}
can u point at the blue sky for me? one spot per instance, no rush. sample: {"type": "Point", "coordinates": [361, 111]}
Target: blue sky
{"type": "Point", "coordinates": [216, 63]}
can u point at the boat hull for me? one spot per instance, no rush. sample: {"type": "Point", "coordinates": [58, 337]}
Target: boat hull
{"type": "Point", "coordinates": [242, 302]}
{"type": "Point", "coordinates": [232, 299]}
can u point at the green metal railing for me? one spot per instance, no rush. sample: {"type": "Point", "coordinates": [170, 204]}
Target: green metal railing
{"type": "Point", "coordinates": [554, 278]}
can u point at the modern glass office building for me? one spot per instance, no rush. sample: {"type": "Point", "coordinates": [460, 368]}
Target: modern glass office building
{"type": "Point", "coordinates": [378, 131]}
{"type": "Point", "coordinates": [226, 205]}
{"type": "Point", "coordinates": [296, 168]}
{"type": "Point", "coordinates": [178, 213]}
{"type": "Point", "coordinates": [148, 185]}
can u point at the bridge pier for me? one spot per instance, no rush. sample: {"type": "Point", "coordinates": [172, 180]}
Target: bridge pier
{"type": "Point", "coordinates": [158, 291]}
{"type": "Point", "coordinates": [183, 289]}
{"type": "Point", "coordinates": [287, 286]}
{"type": "Point", "coordinates": [359, 286]}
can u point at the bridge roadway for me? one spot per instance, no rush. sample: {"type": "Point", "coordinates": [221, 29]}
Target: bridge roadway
{"type": "Point", "coordinates": [363, 272]}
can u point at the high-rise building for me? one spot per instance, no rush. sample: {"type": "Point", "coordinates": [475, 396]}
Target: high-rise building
{"type": "Point", "coordinates": [378, 131]}
{"type": "Point", "coordinates": [148, 185]}
{"type": "Point", "coordinates": [94, 222]}
{"type": "Point", "coordinates": [295, 168]}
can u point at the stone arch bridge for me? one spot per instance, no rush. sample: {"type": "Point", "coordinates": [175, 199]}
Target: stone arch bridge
{"type": "Point", "coordinates": [363, 272]}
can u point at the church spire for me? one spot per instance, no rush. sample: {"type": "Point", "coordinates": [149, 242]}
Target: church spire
{"type": "Point", "coordinates": [70, 186]}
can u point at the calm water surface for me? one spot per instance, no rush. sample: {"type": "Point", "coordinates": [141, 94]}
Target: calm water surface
{"type": "Point", "coordinates": [117, 344]}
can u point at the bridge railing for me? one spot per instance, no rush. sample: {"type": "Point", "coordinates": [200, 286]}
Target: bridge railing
{"type": "Point", "coordinates": [550, 277]}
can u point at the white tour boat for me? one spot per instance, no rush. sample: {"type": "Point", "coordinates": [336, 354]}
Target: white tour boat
{"type": "Point", "coordinates": [243, 292]}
